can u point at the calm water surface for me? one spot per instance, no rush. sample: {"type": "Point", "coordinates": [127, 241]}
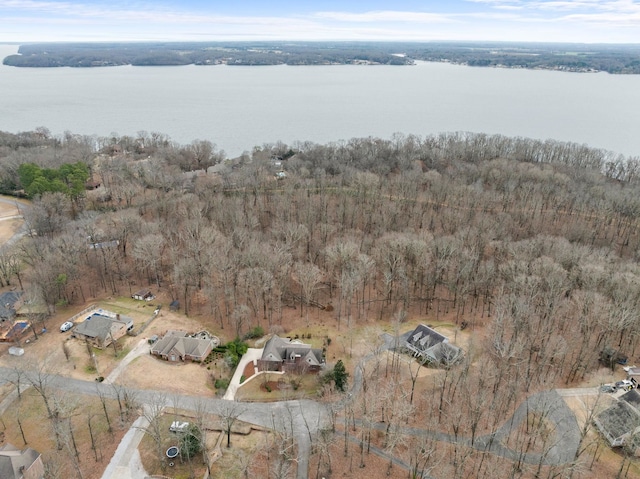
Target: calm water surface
{"type": "Point", "coordinates": [240, 107]}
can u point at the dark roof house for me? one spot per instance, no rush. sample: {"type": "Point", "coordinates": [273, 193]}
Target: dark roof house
{"type": "Point", "coordinates": [286, 354]}
{"type": "Point", "coordinates": [620, 423]}
{"type": "Point", "coordinates": [102, 330]}
{"type": "Point", "coordinates": [178, 346]}
{"type": "Point", "coordinates": [8, 304]}
{"type": "Point", "coordinates": [431, 346]}
{"type": "Point", "coordinates": [20, 464]}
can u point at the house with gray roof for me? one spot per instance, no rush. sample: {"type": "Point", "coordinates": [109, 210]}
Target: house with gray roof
{"type": "Point", "coordinates": [179, 346]}
{"type": "Point", "coordinates": [284, 354]}
{"type": "Point", "coordinates": [620, 423]}
{"type": "Point", "coordinates": [9, 302]}
{"type": "Point", "coordinates": [20, 463]}
{"type": "Point", "coordinates": [431, 346]}
{"type": "Point", "coordinates": [101, 330]}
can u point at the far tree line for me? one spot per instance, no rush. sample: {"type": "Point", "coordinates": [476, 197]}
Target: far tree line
{"type": "Point", "coordinates": [567, 57]}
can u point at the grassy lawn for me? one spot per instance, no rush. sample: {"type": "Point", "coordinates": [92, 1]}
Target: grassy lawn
{"type": "Point", "coordinates": [281, 387]}
{"type": "Point", "coordinates": [129, 307]}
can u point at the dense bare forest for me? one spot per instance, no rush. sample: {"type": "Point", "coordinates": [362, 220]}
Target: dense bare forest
{"type": "Point", "coordinates": [533, 243]}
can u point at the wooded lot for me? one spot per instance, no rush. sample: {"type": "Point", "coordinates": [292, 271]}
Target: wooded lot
{"type": "Point", "coordinates": [532, 245]}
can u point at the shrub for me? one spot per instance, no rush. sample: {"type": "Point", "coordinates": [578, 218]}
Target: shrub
{"type": "Point", "coordinates": [191, 441]}
{"type": "Point", "coordinates": [242, 379]}
{"type": "Point", "coordinates": [255, 333]}
{"type": "Point", "coordinates": [222, 383]}
{"type": "Point", "coordinates": [267, 387]}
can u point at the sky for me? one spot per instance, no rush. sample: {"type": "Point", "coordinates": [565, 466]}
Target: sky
{"type": "Point", "coordinates": [581, 21]}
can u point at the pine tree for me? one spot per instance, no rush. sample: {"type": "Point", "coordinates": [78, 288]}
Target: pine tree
{"type": "Point", "coordinates": [340, 376]}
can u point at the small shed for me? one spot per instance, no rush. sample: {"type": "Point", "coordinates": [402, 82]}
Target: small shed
{"type": "Point", "coordinates": [143, 295]}
{"type": "Point", "coordinates": [175, 305]}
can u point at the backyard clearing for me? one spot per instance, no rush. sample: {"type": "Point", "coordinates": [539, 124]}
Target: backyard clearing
{"type": "Point", "coordinates": [149, 372]}
{"type": "Point", "coordinates": [9, 217]}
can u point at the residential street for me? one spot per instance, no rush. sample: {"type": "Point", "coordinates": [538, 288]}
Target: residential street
{"type": "Point", "coordinates": [302, 418]}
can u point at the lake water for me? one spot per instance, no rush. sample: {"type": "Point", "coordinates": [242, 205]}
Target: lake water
{"type": "Point", "coordinates": [241, 107]}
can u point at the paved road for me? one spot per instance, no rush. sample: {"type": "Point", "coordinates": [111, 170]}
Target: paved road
{"type": "Point", "coordinates": [573, 392]}
{"type": "Point", "coordinates": [302, 418]}
{"type": "Point", "coordinates": [550, 404]}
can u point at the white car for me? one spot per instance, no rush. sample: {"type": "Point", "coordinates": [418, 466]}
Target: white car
{"type": "Point", "coordinates": [66, 326]}
{"type": "Point", "coordinates": [178, 426]}
{"type": "Point", "coordinates": [625, 384]}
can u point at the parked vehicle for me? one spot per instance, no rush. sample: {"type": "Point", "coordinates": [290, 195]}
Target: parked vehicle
{"type": "Point", "coordinates": [178, 426]}
{"type": "Point", "coordinates": [66, 326]}
{"type": "Point", "coordinates": [608, 388]}
{"type": "Point", "coordinates": [625, 384]}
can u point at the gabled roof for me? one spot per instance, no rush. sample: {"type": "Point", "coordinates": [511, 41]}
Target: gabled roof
{"type": "Point", "coordinates": [280, 349]}
{"type": "Point", "coordinates": [618, 420]}
{"type": "Point", "coordinates": [97, 327]}
{"type": "Point", "coordinates": [182, 344]}
{"type": "Point", "coordinates": [8, 299]}
{"type": "Point", "coordinates": [423, 338]}
{"type": "Point", "coordinates": [143, 293]}
{"type": "Point", "coordinates": [193, 347]}
{"type": "Point", "coordinates": [12, 459]}
{"type": "Point", "coordinates": [632, 398]}
{"type": "Point", "coordinates": [431, 345]}
{"type": "Point", "coordinates": [165, 344]}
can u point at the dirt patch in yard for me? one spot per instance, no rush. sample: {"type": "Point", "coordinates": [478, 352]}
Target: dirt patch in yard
{"type": "Point", "coordinates": [148, 372]}
{"type": "Point", "coordinates": [249, 370]}
{"type": "Point", "coordinates": [8, 225]}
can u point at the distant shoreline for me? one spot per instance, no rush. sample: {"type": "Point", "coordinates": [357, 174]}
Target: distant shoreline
{"type": "Point", "coordinates": [573, 58]}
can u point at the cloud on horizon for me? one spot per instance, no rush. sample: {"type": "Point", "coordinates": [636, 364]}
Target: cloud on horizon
{"type": "Point", "coordinates": [611, 21]}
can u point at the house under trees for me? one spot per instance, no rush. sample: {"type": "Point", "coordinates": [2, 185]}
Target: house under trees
{"type": "Point", "coordinates": [20, 463]}
{"type": "Point", "coordinates": [429, 346]}
{"type": "Point", "coordinates": [620, 423]}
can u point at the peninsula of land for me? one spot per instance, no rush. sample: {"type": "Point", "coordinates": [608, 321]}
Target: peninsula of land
{"type": "Point", "coordinates": [620, 59]}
